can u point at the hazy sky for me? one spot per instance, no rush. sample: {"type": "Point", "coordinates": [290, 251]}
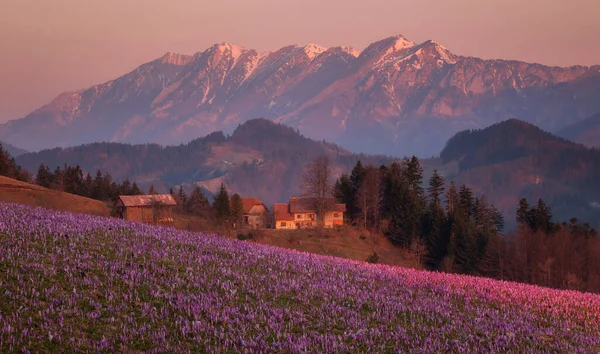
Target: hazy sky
{"type": "Point", "coordinates": [52, 46]}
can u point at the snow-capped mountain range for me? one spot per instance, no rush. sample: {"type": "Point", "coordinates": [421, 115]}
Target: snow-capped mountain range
{"type": "Point", "coordinates": [395, 97]}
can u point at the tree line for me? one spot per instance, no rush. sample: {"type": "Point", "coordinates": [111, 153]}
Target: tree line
{"type": "Point", "coordinates": [225, 209]}
{"type": "Point", "coordinates": [71, 179]}
{"type": "Point", "coordinates": [451, 229]}
{"type": "Point", "coordinates": [9, 168]}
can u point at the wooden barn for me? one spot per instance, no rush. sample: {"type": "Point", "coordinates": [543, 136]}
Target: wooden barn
{"type": "Point", "coordinates": [156, 208]}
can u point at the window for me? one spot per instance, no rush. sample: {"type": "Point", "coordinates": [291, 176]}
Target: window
{"type": "Point", "coordinates": [298, 216]}
{"type": "Point", "coordinates": [283, 224]}
{"type": "Point", "coordinates": [336, 215]}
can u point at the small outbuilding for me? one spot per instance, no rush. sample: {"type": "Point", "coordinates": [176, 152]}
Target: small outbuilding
{"type": "Point", "coordinates": [155, 208]}
{"type": "Point", "coordinates": [255, 213]}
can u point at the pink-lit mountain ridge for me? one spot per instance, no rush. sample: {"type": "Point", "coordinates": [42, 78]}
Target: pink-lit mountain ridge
{"type": "Point", "coordinates": [395, 97]}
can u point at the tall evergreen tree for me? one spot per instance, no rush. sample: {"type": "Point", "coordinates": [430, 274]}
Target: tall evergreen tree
{"type": "Point", "coordinates": [182, 195]}
{"type": "Point", "coordinates": [344, 193]}
{"type": "Point", "coordinates": [44, 176]}
{"type": "Point", "coordinates": [436, 188]}
{"type": "Point", "coordinates": [523, 213]}
{"type": "Point", "coordinates": [543, 217]}
{"type": "Point", "coordinates": [9, 168]}
{"type": "Point", "coordinates": [433, 221]}
{"type": "Point", "coordinates": [221, 204]}
{"type": "Point", "coordinates": [152, 191]}
{"type": "Point", "coordinates": [87, 189]}
{"type": "Point", "coordinates": [100, 193]}
{"type": "Point", "coordinates": [198, 203]}
{"type": "Point", "coordinates": [236, 209]}
{"type": "Point", "coordinates": [59, 179]}
{"type": "Point", "coordinates": [125, 188]}
{"type": "Point", "coordinates": [135, 190]}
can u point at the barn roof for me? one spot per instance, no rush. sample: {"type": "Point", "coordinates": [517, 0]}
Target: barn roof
{"type": "Point", "coordinates": [307, 205]}
{"type": "Point", "coordinates": [146, 200]}
{"type": "Point", "coordinates": [281, 212]}
{"type": "Point", "coordinates": [249, 203]}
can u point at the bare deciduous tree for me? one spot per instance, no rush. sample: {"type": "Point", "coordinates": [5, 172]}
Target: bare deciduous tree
{"type": "Point", "coordinates": [317, 184]}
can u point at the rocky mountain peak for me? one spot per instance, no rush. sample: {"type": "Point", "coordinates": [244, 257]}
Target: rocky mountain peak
{"type": "Point", "coordinates": [313, 50]}
{"type": "Point", "coordinates": [176, 59]}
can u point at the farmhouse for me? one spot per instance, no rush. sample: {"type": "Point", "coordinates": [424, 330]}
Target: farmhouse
{"type": "Point", "coordinates": [254, 213]}
{"type": "Point", "coordinates": [300, 213]}
{"type": "Point", "coordinates": [156, 208]}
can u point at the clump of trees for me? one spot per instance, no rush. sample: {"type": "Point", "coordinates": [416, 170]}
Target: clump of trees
{"type": "Point", "coordinates": [561, 255]}
{"type": "Point", "coordinates": [9, 168]}
{"type": "Point", "coordinates": [71, 179]}
{"type": "Point", "coordinates": [451, 229]}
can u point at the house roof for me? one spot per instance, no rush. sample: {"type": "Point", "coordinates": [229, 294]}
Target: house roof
{"type": "Point", "coordinates": [281, 212]}
{"type": "Point", "coordinates": [249, 203]}
{"type": "Point", "coordinates": [307, 205]}
{"type": "Point", "coordinates": [146, 200]}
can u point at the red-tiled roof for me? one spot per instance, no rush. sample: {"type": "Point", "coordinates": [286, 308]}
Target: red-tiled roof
{"type": "Point", "coordinates": [147, 200]}
{"type": "Point", "coordinates": [281, 212]}
{"type": "Point", "coordinates": [249, 203]}
{"type": "Point", "coordinates": [307, 205]}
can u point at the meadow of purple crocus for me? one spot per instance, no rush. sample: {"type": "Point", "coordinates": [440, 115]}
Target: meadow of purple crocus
{"type": "Point", "coordinates": [82, 283]}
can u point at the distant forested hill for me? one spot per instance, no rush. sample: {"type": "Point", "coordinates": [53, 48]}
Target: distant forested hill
{"type": "Point", "coordinates": [260, 159]}
{"type": "Point", "coordinates": [514, 159]}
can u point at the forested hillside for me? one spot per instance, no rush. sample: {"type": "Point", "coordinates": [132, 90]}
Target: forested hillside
{"type": "Point", "coordinates": [260, 159]}
{"type": "Point", "coordinates": [515, 159]}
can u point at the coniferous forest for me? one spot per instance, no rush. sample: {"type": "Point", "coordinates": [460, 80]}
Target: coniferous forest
{"type": "Point", "coordinates": [451, 229]}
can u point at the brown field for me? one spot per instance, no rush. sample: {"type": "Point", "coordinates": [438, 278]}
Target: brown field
{"type": "Point", "coordinates": [30, 194]}
{"type": "Point", "coordinates": [346, 243]}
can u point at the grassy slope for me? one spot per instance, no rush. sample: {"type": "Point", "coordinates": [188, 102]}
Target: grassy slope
{"type": "Point", "coordinates": [345, 243]}
{"type": "Point", "coordinates": [127, 288]}
{"type": "Point", "coordinates": [30, 194]}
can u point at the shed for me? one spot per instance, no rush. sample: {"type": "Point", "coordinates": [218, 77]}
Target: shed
{"type": "Point", "coordinates": [155, 208]}
{"type": "Point", "coordinates": [254, 212]}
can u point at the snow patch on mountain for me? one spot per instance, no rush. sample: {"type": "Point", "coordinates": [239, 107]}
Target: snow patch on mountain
{"type": "Point", "coordinates": [313, 50]}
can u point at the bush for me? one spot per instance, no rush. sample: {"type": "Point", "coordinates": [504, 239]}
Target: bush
{"type": "Point", "coordinates": [373, 258]}
{"type": "Point", "coordinates": [242, 236]}
{"type": "Point", "coordinates": [362, 237]}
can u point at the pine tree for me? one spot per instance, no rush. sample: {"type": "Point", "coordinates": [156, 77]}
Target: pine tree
{"type": "Point", "coordinates": [414, 175]}
{"type": "Point", "coordinates": [221, 204]}
{"type": "Point", "coordinates": [198, 203]}
{"type": "Point", "coordinates": [152, 191]}
{"type": "Point", "coordinates": [73, 179]}
{"type": "Point", "coordinates": [135, 190]}
{"type": "Point", "coordinates": [182, 196]}
{"type": "Point", "coordinates": [236, 209]}
{"type": "Point", "coordinates": [452, 201]}
{"type": "Point", "coordinates": [59, 179]}
{"type": "Point", "coordinates": [87, 189]}
{"type": "Point", "coordinates": [44, 176]}
{"type": "Point", "coordinates": [356, 178]}
{"type": "Point", "coordinates": [467, 202]}
{"type": "Point", "coordinates": [543, 217]}
{"type": "Point", "coordinates": [523, 213]}
{"type": "Point", "coordinates": [9, 168]}
{"type": "Point", "coordinates": [433, 222]}
{"type": "Point", "coordinates": [125, 188]}
{"type": "Point", "coordinates": [436, 188]}
{"type": "Point", "coordinates": [100, 192]}
{"type": "Point", "coordinates": [344, 193]}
